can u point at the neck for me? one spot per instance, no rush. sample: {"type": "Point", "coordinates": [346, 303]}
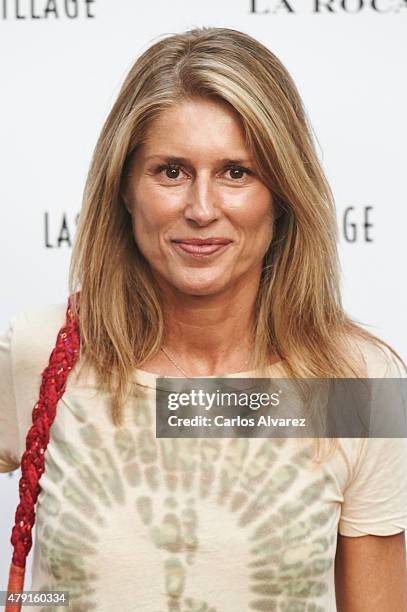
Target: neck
{"type": "Point", "coordinates": [210, 333]}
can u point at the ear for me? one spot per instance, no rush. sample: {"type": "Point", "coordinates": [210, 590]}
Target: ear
{"type": "Point", "coordinates": [124, 197]}
{"type": "Point", "coordinates": [124, 194]}
{"type": "Point", "coordinates": [279, 208]}
{"type": "Point", "coordinates": [125, 203]}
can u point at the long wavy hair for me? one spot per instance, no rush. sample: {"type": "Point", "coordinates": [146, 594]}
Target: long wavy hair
{"type": "Point", "coordinates": [299, 313]}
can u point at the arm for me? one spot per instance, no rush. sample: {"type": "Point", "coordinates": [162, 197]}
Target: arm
{"type": "Point", "coordinates": [9, 441]}
{"type": "Point", "coordinates": [371, 574]}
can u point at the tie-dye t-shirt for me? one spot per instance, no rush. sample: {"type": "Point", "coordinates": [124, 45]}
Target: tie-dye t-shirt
{"type": "Point", "coordinates": [129, 522]}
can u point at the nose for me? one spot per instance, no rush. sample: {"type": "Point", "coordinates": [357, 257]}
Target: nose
{"type": "Point", "coordinates": [201, 201]}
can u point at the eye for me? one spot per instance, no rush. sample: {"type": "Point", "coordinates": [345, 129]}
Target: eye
{"type": "Point", "coordinates": [238, 172]}
{"type": "Point", "coordinates": [171, 170]}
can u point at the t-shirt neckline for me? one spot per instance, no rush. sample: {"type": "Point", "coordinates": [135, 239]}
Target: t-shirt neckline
{"type": "Point", "coordinates": [149, 379]}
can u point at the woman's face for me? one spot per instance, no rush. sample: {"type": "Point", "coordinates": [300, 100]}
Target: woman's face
{"type": "Point", "coordinates": [193, 181]}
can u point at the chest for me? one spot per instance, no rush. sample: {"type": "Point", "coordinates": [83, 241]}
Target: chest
{"type": "Point", "coordinates": [249, 519]}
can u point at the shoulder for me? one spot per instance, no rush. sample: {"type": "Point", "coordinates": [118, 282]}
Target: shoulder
{"type": "Point", "coordinates": [25, 349]}
{"type": "Point", "coordinates": [34, 332]}
{"type": "Point", "coordinates": [376, 360]}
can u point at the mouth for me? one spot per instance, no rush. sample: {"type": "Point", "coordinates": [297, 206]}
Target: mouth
{"type": "Point", "coordinates": [201, 247]}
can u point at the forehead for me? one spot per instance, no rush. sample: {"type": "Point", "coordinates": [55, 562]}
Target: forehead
{"type": "Point", "coordinates": [203, 126]}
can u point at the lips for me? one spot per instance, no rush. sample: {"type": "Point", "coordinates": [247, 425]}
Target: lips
{"type": "Point", "coordinates": [202, 246]}
{"type": "Point", "coordinates": [211, 240]}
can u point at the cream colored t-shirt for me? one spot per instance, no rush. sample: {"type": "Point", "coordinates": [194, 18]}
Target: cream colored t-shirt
{"type": "Point", "coordinates": [129, 522]}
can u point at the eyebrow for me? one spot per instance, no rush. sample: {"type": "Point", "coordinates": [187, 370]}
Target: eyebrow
{"type": "Point", "coordinates": [170, 159]}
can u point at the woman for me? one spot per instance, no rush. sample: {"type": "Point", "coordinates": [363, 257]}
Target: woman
{"type": "Point", "coordinates": [206, 247]}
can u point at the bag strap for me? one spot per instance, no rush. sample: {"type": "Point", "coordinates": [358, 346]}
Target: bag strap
{"type": "Point", "coordinates": [54, 377]}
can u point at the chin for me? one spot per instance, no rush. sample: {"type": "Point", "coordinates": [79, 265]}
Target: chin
{"type": "Point", "coordinates": [200, 289]}
{"type": "Point", "coordinates": [194, 282]}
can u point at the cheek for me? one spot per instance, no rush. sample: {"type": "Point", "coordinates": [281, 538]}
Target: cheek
{"type": "Point", "coordinates": [258, 215]}
{"type": "Point", "coordinates": [150, 215]}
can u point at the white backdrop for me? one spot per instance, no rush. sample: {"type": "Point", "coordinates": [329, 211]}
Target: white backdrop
{"type": "Point", "coordinates": [62, 63]}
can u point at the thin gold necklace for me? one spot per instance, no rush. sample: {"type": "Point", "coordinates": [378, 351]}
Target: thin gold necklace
{"type": "Point", "coordinates": [166, 353]}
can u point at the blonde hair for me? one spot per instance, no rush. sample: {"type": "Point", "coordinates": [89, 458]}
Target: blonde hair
{"type": "Point", "coordinates": [299, 313]}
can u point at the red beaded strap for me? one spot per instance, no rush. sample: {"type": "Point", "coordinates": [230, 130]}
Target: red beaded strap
{"type": "Point", "coordinates": [54, 378]}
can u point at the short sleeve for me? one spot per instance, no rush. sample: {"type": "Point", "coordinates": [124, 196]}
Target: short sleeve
{"type": "Point", "coordinates": [9, 431]}
{"type": "Point", "coordinates": [375, 499]}
{"type": "Point", "coordinates": [375, 502]}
